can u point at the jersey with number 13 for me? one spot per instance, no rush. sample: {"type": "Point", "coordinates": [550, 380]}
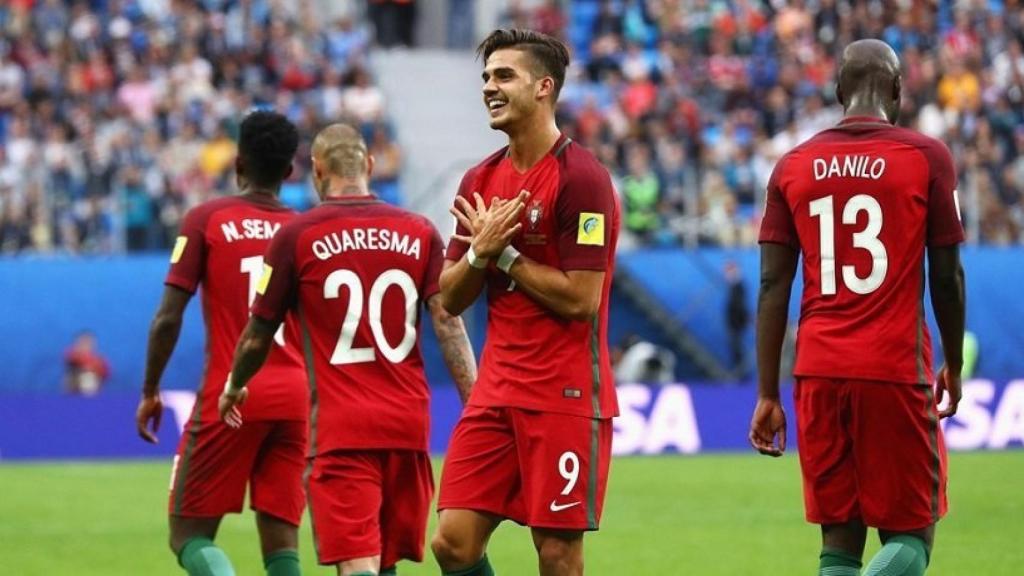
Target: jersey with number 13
{"type": "Point", "coordinates": [862, 201]}
{"type": "Point", "coordinates": [220, 247]}
{"type": "Point", "coordinates": [358, 271]}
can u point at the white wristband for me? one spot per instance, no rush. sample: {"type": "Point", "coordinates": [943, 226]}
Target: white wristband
{"type": "Point", "coordinates": [475, 261]}
{"type": "Point", "coordinates": [507, 258]}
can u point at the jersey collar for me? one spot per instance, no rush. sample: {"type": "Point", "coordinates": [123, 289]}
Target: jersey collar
{"type": "Point", "coordinates": [360, 199]}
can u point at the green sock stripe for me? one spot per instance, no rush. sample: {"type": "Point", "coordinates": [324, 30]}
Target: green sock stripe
{"type": "Point", "coordinates": [197, 543]}
{"type": "Point", "coordinates": [915, 543]}
{"type": "Point", "coordinates": [839, 571]}
{"type": "Point", "coordinates": [891, 559]}
{"type": "Point", "coordinates": [364, 573]}
{"type": "Point", "coordinates": [389, 571]}
{"type": "Point", "coordinates": [281, 555]}
{"type": "Point", "coordinates": [836, 562]}
{"type": "Point", "coordinates": [481, 568]}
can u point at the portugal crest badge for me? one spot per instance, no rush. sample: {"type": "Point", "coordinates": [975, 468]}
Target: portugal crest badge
{"type": "Point", "coordinates": [534, 214]}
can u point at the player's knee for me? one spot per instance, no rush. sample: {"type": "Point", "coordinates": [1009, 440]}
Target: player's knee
{"type": "Point", "coordinates": [563, 551]}
{"type": "Point", "coordinates": [450, 550]}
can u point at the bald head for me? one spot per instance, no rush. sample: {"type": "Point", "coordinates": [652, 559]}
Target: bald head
{"type": "Point", "coordinates": [869, 79]}
{"type": "Point", "coordinates": [341, 151]}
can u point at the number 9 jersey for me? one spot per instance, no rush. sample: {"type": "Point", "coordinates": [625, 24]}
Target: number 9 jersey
{"type": "Point", "coordinates": [862, 201]}
{"type": "Point", "coordinates": [358, 272]}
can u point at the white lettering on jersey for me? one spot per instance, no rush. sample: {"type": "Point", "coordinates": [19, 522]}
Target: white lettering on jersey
{"type": "Point", "coordinates": [381, 239]}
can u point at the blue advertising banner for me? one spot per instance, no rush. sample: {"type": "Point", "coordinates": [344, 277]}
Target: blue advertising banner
{"type": "Point", "coordinates": [674, 418]}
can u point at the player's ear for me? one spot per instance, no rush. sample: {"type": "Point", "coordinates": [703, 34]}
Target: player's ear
{"type": "Point", "coordinates": [369, 165]}
{"type": "Point", "coordinates": [897, 88]}
{"type": "Point", "coordinates": [546, 87]}
{"type": "Point", "coordinates": [288, 171]}
{"type": "Point", "coordinates": [839, 94]}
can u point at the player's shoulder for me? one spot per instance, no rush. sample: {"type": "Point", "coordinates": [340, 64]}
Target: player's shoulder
{"type": "Point", "coordinates": [580, 167]}
{"type": "Point", "coordinates": [933, 148]}
{"type": "Point", "coordinates": [486, 165]}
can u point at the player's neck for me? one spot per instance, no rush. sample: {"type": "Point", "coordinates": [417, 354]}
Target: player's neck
{"type": "Point", "coordinates": [866, 107]}
{"type": "Point", "coordinates": [261, 191]}
{"type": "Point", "coordinates": [529, 144]}
{"type": "Point", "coordinates": [343, 189]}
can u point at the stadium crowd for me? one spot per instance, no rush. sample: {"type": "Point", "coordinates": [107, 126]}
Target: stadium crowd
{"type": "Point", "coordinates": [118, 115]}
{"type": "Point", "coordinates": [693, 101]}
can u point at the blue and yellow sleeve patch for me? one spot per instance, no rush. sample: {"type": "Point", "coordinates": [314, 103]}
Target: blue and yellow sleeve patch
{"type": "Point", "coordinates": [591, 229]}
{"type": "Point", "coordinates": [179, 249]}
{"type": "Point", "coordinates": [261, 286]}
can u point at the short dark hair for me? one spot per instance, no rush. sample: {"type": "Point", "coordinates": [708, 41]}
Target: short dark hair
{"type": "Point", "coordinates": [267, 142]}
{"type": "Point", "coordinates": [550, 53]}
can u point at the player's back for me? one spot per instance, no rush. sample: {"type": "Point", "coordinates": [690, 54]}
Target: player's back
{"type": "Point", "coordinates": [220, 248]}
{"type": "Point", "coordinates": [364, 268]}
{"type": "Point", "coordinates": [862, 201]}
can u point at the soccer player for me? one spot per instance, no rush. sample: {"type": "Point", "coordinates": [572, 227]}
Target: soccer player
{"type": "Point", "coordinates": [537, 226]}
{"type": "Point", "coordinates": [863, 202]}
{"type": "Point", "coordinates": [358, 271]}
{"type": "Point", "coordinates": [220, 247]}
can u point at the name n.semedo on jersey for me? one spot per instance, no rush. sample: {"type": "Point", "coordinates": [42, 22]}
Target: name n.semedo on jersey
{"type": "Point", "coordinates": [849, 167]}
{"type": "Point", "coordinates": [335, 243]}
{"type": "Point", "coordinates": [252, 229]}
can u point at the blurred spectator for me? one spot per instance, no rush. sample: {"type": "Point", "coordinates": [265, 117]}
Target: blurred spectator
{"type": "Point", "coordinates": [737, 316]}
{"type": "Point", "coordinates": [394, 22]}
{"type": "Point", "coordinates": [639, 361]}
{"type": "Point", "coordinates": [740, 83]}
{"type": "Point", "coordinates": [86, 369]}
{"type": "Point", "coordinates": [116, 117]}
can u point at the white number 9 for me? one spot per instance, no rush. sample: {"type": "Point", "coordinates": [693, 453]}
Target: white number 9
{"type": "Point", "coordinates": [569, 468]}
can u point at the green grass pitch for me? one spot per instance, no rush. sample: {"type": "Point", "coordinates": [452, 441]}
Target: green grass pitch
{"type": "Point", "coordinates": [703, 516]}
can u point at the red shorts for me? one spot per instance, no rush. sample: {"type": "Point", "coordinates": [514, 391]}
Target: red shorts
{"type": "Point", "coordinates": [870, 450]}
{"type": "Point", "coordinates": [215, 463]}
{"type": "Point", "coordinates": [366, 503]}
{"type": "Point", "coordinates": [540, 469]}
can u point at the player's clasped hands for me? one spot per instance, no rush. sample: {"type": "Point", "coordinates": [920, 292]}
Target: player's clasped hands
{"type": "Point", "coordinates": [491, 228]}
{"type": "Point", "coordinates": [227, 406]}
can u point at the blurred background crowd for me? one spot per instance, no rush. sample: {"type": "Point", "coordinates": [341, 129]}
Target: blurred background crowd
{"type": "Point", "coordinates": [116, 116]}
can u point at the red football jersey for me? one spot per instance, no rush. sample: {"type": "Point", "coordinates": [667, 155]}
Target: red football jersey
{"type": "Point", "coordinates": [220, 246]}
{"type": "Point", "coordinates": [861, 201]}
{"type": "Point", "coordinates": [358, 271]}
{"type": "Point", "coordinates": [534, 358]}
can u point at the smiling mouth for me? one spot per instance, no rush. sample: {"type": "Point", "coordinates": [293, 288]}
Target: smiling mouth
{"type": "Point", "coordinates": [496, 106]}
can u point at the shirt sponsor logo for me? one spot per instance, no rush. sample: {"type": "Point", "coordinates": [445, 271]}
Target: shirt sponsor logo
{"type": "Point", "coordinates": [179, 249]}
{"type": "Point", "coordinates": [261, 286]}
{"type": "Point", "coordinates": [591, 229]}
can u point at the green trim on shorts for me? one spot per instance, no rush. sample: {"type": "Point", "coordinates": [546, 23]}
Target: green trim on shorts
{"type": "Point", "coordinates": [595, 367]}
{"type": "Point", "coordinates": [933, 441]}
{"type": "Point", "coordinates": [307, 352]}
{"type": "Point", "coordinates": [919, 342]}
{"type": "Point", "coordinates": [595, 428]}
{"type": "Point", "coordinates": [181, 472]}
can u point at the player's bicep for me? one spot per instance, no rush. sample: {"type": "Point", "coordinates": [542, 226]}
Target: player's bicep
{"type": "Point", "coordinates": [457, 248]}
{"type": "Point", "coordinates": [188, 257]}
{"type": "Point", "coordinates": [276, 291]}
{"type": "Point", "coordinates": [944, 225]}
{"type": "Point", "coordinates": [588, 286]}
{"type": "Point", "coordinates": [586, 212]}
{"type": "Point", "coordinates": [777, 225]}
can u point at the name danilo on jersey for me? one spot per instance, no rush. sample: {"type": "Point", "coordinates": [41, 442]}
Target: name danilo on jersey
{"type": "Point", "coordinates": [849, 167]}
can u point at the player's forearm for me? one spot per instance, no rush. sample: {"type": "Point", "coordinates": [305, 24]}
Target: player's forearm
{"type": "Point", "coordinates": [455, 348]}
{"type": "Point", "coordinates": [461, 285]}
{"type": "Point", "coordinates": [771, 332]}
{"type": "Point", "coordinates": [251, 352]}
{"type": "Point", "coordinates": [949, 304]}
{"type": "Point", "coordinates": [554, 289]}
{"type": "Point", "coordinates": [778, 269]}
{"type": "Point", "coordinates": [163, 337]}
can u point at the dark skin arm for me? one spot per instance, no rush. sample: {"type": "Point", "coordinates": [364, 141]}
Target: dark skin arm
{"type": "Point", "coordinates": [250, 354]}
{"type": "Point", "coordinates": [778, 269]}
{"type": "Point", "coordinates": [946, 283]}
{"type": "Point", "coordinates": [163, 336]}
{"type": "Point", "coordinates": [455, 347]}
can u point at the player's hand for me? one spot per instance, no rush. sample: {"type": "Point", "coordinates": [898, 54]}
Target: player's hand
{"type": "Point", "coordinates": [493, 226]}
{"type": "Point", "coordinates": [150, 410]}
{"type": "Point", "coordinates": [948, 383]}
{"type": "Point", "coordinates": [228, 403]}
{"type": "Point", "coordinates": [769, 422]}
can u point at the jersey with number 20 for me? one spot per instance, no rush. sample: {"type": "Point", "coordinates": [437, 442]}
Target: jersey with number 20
{"type": "Point", "coordinates": [358, 270]}
{"type": "Point", "coordinates": [862, 201]}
